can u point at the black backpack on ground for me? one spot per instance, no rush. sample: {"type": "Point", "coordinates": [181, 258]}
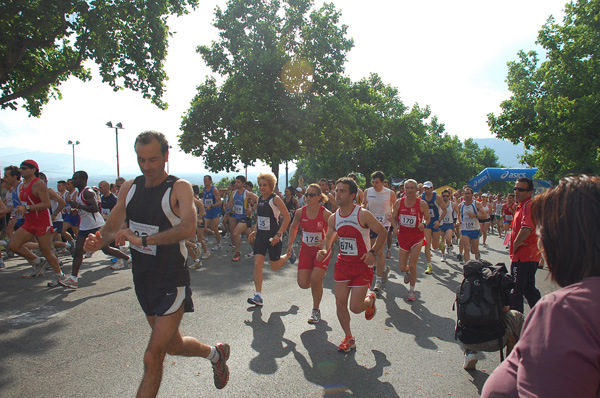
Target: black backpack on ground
{"type": "Point", "coordinates": [479, 301]}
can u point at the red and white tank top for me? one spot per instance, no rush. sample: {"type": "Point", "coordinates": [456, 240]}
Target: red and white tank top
{"type": "Point", "coordinates": [38, 217]}
{"type": "Point", "coordinates": [313, 231]}
{"type": "Point", "coordinates": [409, 218]}
{"type": "Point", "coordinates": [353, 237]}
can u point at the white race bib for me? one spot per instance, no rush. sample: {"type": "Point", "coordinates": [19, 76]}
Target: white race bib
{"type": "Point", "coordinates": [264, 223]}
{"type": "Point", "coordinates": [408, 221]}
{"type": "Point", "coordinates": [238, 209]}
{"type": "Point", "coordinates": [140, 229]}
{"type": "Point", "coordinates": [380, 217]}
{"type": "Point", "coordinates": [348, 246]}
{"type": "Point", "coordinates": [208, 202]}
{"type": "Point", "coordinates": [508, 217]}
{"type": "Point", "coordinates": [311, 238]}
{"type": "Point", "coordinates": [431, 213]}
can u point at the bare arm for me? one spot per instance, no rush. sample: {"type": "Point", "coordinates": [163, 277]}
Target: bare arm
{"type": "Point", "coordinates": [218, 200]}
{"type": "Point", "coordinates": [201, 211]}
{"type": "Point", "coordinates": [294, 229]}
{"type": "Point", "coordinates": [440, 203]}
{"type": "Point", "coordinates": [367, 219]}
{"type": "Point", "coordinates": [425, 211]}
{"type": "Point", "coordinates": [56, 197]}
{"type": "Point", "coordinates": [329, 238]}
{"type": "Point", "coordinates": [40, 190]}
{"type": "Point", "coordinates": [89, 197]}
{"type": "Point", "coordinates": [284, 223]}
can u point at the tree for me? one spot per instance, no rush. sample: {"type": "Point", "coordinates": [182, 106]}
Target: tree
{"type": "Point", "coordinates": [281, 71]}
{"type": "Point", "coordinates": [43, 43]}
{"type": "Point", "coordinates": [554, 108]}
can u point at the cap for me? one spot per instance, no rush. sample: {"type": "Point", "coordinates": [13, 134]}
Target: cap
{"type": "Point", "coordinates": [31, 163]}
{"type": "Point", "coordinates": [427, 184]}
{"type": "Point", "coordinates": [299, 189]}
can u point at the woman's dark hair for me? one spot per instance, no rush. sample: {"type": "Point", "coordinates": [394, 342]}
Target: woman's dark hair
{"type": "Point", "coordinates": [566, 218]}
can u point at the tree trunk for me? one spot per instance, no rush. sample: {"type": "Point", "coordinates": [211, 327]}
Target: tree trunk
{"type": "Point", "coordinates": [275, 170]}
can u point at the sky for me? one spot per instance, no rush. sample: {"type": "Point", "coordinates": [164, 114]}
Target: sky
{"type": "Point", "coordinates": [449, 55]}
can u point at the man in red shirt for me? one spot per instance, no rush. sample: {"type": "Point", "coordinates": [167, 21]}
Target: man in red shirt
{"type": "Point", "coordinates": [524, 252]}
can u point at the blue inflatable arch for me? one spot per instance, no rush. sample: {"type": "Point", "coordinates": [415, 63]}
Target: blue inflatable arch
{"type": "Point", "coordinates": [497, 174]}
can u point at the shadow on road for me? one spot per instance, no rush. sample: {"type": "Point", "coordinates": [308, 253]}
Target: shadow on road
{"type": "Point", "coordinates": [338, 373]}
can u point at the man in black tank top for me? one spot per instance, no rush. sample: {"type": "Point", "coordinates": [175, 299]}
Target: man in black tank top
{"type": "Point", "coordinates": [161, 215]}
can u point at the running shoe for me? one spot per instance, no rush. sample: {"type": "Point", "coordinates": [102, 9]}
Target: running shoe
{"type": "Point", "coordinates": [55, 282]}
{"type": "Point", "coordinates": [217, 248]}
{"type": "Point", "coordinates": [411, 295]}
{"type": "Point", "coordinates": [256, 300]}
{"type": "Point", "coordinates": [72, 249]}
{"type": "Point", "coordinates": [236, 257]}
{"type": "Point", "coordinates": [371, 310]}
{"type": "Point", "coordinates": [118, 265]}
{"type": "Point", "coordinates": [293, 257]}
{"type": "Point", "coordinates": [378, 287]}
{"type": "Point", "coordinates": [459, 257]}
{"type": "Point", "coordinates": [38, 270]}
{"type": "Point", "coordinates": [347, 344]}
{"type": "Point", "coordinates": [89, 254]}
{"type": "Point", "coordinates": [250, 255]}
{"type": "Point", "coordinates": [206, 255]}
{"type": "Point", "coordinates": [68, 282]}
{"type": "Point", "coordinates": [315, 317]}
{"type": "Point", "coordinates": [477, 256]}
{"type": "Point", "coordinates": [429, 269]}
{"type": "Point", "coordinates": [220, 369]}
{"type": "Point", "coordinates": [407, 277]}
{"type": "Point", "coordinates": [388, 253]}
{"type": "Point", "coordinates": [386, 274]}
{"type": "Point", "coordinates": [444, 257]}
{"type": "Point", "coordinates": [196, 264]}
{"type": "Point", "coordinates": [471, 359]}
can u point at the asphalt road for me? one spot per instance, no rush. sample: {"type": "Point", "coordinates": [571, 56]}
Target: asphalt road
{"type": "Point", "coordinates": [89, 342]}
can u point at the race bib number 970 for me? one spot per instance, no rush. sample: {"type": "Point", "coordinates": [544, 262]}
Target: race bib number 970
{"type": "Point", "coordinates": [348, 247]}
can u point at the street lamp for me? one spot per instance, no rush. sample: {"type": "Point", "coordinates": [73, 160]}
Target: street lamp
{"type": "Point", "coordinates": [117, 127]}
{"type": "Point", "coordinates": [168, 161]}
{"type": "Point", "coordinates": [73, 145]}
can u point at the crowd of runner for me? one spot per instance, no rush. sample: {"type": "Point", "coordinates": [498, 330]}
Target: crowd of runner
{"type": "Point", "coordinates": [135, 215]}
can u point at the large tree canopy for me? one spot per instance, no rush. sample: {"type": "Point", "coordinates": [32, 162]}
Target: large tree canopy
{"type": "Point", "coordinates": [555, 105]}
{"type": "Point", "coordinates": [384, 134]}
{"type": "Point", "coordinates": [43, 43]}
{"type": "Point", "coordinates": [282, 90]}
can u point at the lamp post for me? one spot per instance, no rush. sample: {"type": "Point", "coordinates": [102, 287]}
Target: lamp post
{"type": "Point", "coordinates": [116, 127]}
{"type": "Point", "coordinates": [73, 145]}
{"type": "Point", "coordinates": [168, 161]}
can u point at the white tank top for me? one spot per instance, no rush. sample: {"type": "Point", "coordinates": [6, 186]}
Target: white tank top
{"type": "Point", "coordinates": [379, 204]}
{"type": "Point", "coordinates": [469, 223]}
{"type": "Point", "coordinates": [449, 211]}
{"type": "Point", "coordinates": [88, 220]}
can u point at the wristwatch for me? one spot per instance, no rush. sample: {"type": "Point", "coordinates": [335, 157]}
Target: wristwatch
{"type": "Point", "coordinates": [144, 242]}
{"type": "Point", "coordinates": [27, 207]}
{"type": "Point", "coordinates": [372, 252]}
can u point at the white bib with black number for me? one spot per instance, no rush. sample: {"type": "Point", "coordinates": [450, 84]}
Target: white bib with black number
{"type": "Point", "coordinates": [311, 238]}
{"type": "Point", "coordinates": [408, 221]}
{"type": "Point", "coordinates": [348, 246]}
{"type": "Point", "coordinates": [264, 223]}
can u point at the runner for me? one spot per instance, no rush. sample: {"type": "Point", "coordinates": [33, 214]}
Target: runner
{"type": "Point", "coordinates": [35, 202]}
{"type": "Point", "coordinates": [484, 225]}
{"type": "Point", "coordinates": [508, 211]}
{"type": "Point", "coordinates": [267, 235]}
{"type": "Point", "coordinates": [524, 252]}
{"type": "Point", "coordinates": [410, 216]}
{"type": "Point", "coordinates": [360, 195]}
{"type": "Point", "coordinates": [448, 222]}
{"type": "Point", "coordinates": [497, 221]}
{"type": "Point", "coordinates": [70, 215]}
{"type": "Point", "coordinates": [469, 214]}
{"type": "Point", "coordinates": [12, 177]}
{"type": "Point", "coordinates": [353, 274]}
{"type": "Point", "coordinates": [91, 221]}
{"type": "Point", "coordinates": [212, 205]}
{"type": "Point", "coordinates": [313, 219]}
{"type": "Point", "coordinates": [380, 201]}
{"type": "Point", "coordinates": [290, 201]}
{"type": "Point", "coordinates": [330, 203]}
{"type": "Point", "coordinates": [160, 212]}
{"type": "Point", "coordinates": [300, 197]}
{"type": "Point", "coordinates": [433, 232]}
{"type": "Point", "coordinates": [240, 222]}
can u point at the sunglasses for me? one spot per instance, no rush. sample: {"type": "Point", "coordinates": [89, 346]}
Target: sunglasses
{"type": "Point", "coordinates": [25, 167]}
{"type": "Point", "coordinates": [520, 189]}
{"type": "Point", "coordinates": [446, 196]}
{"type": "Point", "coordinates": [311, 195]}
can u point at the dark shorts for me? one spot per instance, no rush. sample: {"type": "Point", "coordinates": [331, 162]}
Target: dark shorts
{"type": "Point", "coordinates": [373, 235]}
{"type": "Point", "coordinates": [71, 219]}
{"type": "Point", "coordinates": [262, 245]}
{"type": "Point", "coordinates": [484, 221]}
{"type": "Point", "coordinates": [165, 301]}
{"type": "Point", "coordinates": [246, 220]}
{"type": "Point", "coordinates": [430, 225]}
{"type": "Point", "coordinates": [85, 233]}
{"type": "Point", "coordinates": [57, 226]}
{"type": "Point", "coordinates": [447, 227]}
{"type": "Point", "coordinates": [19, 223]}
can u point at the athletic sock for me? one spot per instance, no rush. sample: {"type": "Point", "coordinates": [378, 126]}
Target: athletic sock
{"type": "Point", "coordinates": [37, 261]}
{"type": "Point", "coordinates": [259, 294]}
{"type": "Point", "coordinates": [214, 355]}
{"type": "Point", "coordinates": [378, 279]}
{"type": "Point", "coordinates": [412, 288]}
{"type": "Point", "coordinates": [73, 278]}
